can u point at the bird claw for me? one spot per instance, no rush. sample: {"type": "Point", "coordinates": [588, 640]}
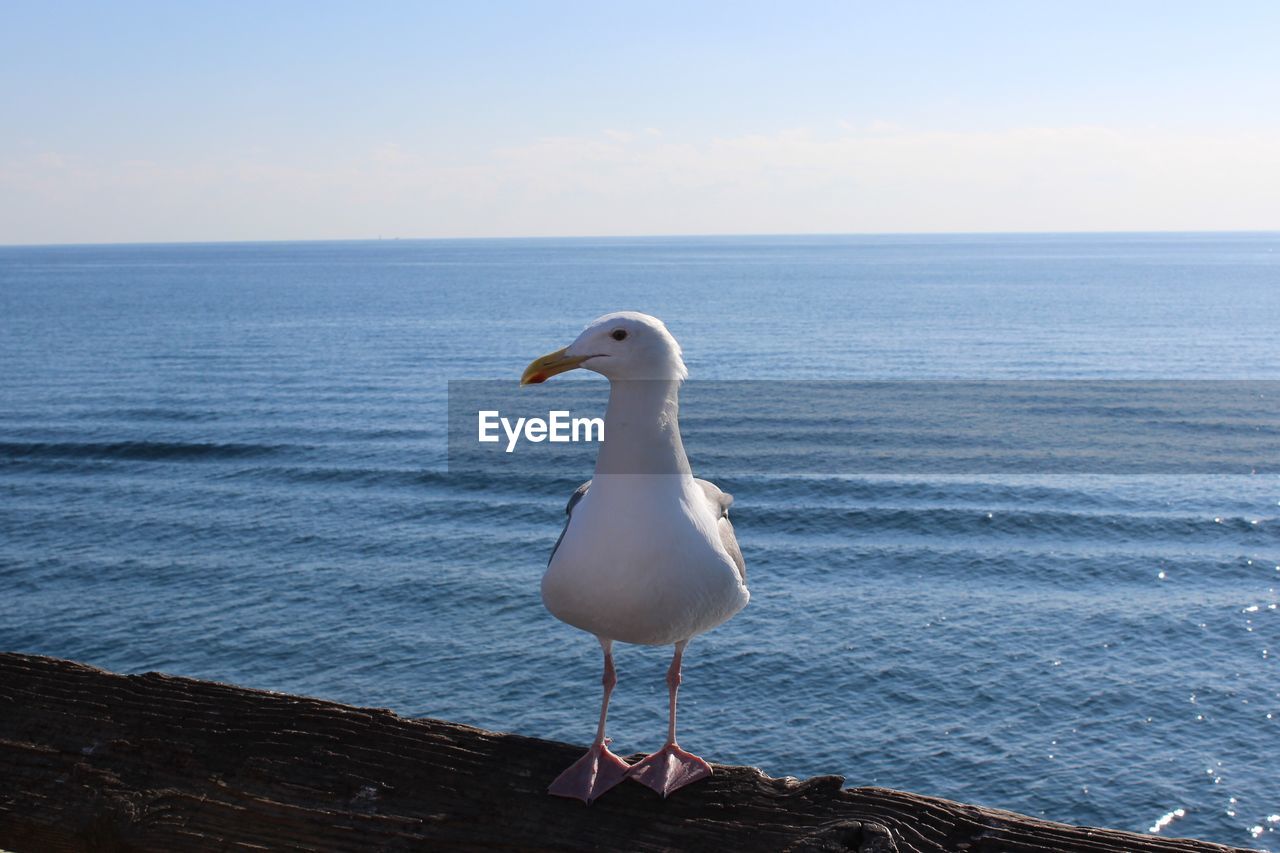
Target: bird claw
{"type": "Point", "coordinates": [591, 775]}
{"type": "Point", "coordinates": [669, 769]}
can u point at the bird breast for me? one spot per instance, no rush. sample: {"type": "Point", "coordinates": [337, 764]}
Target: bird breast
{"type": "Point", "coordinates": [641, 562]}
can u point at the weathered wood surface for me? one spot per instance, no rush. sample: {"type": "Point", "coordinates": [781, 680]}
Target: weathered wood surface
{"type": "Point", "coordinates": [90, 760]}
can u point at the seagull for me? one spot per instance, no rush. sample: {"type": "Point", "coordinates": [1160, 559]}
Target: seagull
{"type": "Point", "coordinates": [647, 554]}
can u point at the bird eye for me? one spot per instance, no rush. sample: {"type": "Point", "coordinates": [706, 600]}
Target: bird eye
{"type": "Point", "coordinates": [619, 334]}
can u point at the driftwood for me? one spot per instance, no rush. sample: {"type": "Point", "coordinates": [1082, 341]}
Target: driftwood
{"type": "Point", "coordinates": [90, 760]}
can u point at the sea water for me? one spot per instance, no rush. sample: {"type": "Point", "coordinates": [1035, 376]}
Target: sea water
{"type": "Point", "coordinates": [232, 462]}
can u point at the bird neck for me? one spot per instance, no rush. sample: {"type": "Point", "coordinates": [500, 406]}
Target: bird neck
{"type": "Point", "coordinates": [642, 429]}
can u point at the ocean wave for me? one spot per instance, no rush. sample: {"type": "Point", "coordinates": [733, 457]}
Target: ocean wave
{"type": "Point", "coordinates": [136, 450]}
{"type": "Point", "coordinates": [154, 413]}
{"type": "Point", "coordinates": [949, 521]}
{"type": "Point", "coordinates": [1086, 570]}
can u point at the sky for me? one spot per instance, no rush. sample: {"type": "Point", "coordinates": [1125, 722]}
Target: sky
{"type": "Point", "coordinates": [273, 120]}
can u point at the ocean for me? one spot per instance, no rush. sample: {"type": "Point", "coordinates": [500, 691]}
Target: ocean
{"type": "Point", "coordinates": [248, 463]}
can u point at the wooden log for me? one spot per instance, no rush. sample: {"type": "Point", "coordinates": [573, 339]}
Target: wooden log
{"type": "Point", "coordinates": [94, 761]}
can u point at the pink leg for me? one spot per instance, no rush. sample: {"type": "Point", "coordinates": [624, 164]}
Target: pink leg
{"type": "Point", "coordinates": [598, 770]}
{"type": "Point", "coordinates": [671, 767]}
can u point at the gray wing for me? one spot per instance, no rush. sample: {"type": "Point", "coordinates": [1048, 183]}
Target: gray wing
{"type": "Point", "coordinates": [720, 502]}
{"type": "Point", "coordinates": [568, 511]}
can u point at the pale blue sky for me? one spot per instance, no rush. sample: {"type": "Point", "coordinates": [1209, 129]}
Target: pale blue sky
{"type": "Point", "coordinates": [282, 120]}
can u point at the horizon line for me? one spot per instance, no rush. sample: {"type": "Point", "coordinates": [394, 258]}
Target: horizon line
{"type": "Point", "coordinates": [702, 236]}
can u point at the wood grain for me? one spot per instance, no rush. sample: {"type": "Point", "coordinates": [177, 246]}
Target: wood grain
{"type": "Point", "coordinates": [93, 761]}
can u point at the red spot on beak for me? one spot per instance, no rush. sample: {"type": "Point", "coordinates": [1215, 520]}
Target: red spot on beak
{"type": "Point", "coordinates": [537, 378]}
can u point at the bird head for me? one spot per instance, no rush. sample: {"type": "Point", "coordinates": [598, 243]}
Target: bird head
{"type": "Point", "coordinates": [622, 345]}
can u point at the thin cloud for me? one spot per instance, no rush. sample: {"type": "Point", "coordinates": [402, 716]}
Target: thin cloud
{"type": "Point", "coordinates": [873, 177]}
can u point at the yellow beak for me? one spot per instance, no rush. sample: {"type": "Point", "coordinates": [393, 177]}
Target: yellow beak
{"type": "Point", "coordinates": [542, 369]}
